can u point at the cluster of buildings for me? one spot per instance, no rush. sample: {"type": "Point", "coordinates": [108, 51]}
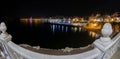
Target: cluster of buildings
{"type": "Point", "coordinates": [93, 18]}
{"type": "Point", "coordinates": [104, 18]}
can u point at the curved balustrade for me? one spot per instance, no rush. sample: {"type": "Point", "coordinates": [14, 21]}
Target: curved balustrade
{"type": "Point", "coordinates": [104, 48]}
{"type": "Point", "coordinates": [27, 54]}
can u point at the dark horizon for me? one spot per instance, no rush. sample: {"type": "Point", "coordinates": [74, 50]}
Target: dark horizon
{"type": "Point", "coordinates": [33, 8]}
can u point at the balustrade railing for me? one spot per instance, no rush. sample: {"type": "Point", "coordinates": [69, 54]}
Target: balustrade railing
{"type": "Point", "coordinates": [107, 45]}
{"type": "Point", "coordinates": [104, 47]}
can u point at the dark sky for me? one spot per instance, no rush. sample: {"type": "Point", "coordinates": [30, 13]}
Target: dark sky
{"type": "Point", "coordinates": [38, 8]}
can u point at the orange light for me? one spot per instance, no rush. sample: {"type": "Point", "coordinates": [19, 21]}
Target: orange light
{"type": "Point", "coordinates": [92, 34]}
{"type": "Point", "coordinates": [34, 20]}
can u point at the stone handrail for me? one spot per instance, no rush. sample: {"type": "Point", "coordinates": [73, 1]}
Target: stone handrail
{"type": "Point", "coordinates": [5, 51]}
{"type": "Point", "coordinates": [102, 47]}
{"type": "Point", "coordinates": [33, 55]}
{"type": "Point", "coordinates": [111, 48]}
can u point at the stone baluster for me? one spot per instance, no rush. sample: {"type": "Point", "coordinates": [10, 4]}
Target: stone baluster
{"type": "Point", "coordinates": [105, 40]}
{"type": "Point", "coordinates": [4, 35]}
{"type": "Point", "coordinates": [106, 32]}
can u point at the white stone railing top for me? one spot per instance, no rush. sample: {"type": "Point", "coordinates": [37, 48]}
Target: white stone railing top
{"type": "Point", "coordinates": [31, 55]}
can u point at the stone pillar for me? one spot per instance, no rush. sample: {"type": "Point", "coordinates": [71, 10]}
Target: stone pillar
{"type": "Point", "coordinates": [105, 40]}
{"type": "Point", "coordinates": [4, 35]}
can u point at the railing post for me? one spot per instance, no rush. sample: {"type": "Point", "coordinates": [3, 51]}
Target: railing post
{"type": "Point", "coordinates": [4, 35]}
{"type": "Point", "coordinates": [105, 40]}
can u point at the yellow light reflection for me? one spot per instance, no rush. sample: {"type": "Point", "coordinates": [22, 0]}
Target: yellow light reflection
{"type": "Point", "coordinates": [34, 20]}
{"type": "Point", "coordinates": [37, 21]}
{"type": "Point", "coordinates": [92, 34]}
{"type": "Point", "coordinates": [93, 25]}
{"type": "Point", "coordinates": [112, 20]}
{"type": "Point", "coordinates": [75, 29]}
{"type": "Point", "coordinates": [24, 20]}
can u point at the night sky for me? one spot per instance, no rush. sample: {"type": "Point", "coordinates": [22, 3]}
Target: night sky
{"type": "Point", "coordinates": [35, 8]}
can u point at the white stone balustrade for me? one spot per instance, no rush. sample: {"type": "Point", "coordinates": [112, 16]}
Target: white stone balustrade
{"type": "Point", "coordinates": [104, 47]}
{"type": "Point", "coordinates": [6, 51]}
{"type": "Point", "coordinates": [4, 35]}
{"type": "Point", "coordinates": [105, 40]}
{"type": "Point", "coordinates": [107, 45]}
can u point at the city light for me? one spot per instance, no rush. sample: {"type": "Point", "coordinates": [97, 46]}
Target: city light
{"type": "Point", "coordinates": [31, 20]}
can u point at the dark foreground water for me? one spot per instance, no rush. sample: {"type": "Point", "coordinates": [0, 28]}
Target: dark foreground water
{"type": "Point", "coordinates": [52, 36]}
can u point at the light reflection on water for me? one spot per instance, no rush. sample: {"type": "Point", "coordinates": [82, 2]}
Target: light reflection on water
{"type": "Point", "coordinates": [60, 36]}
{"type": "Point", "coordinates": [31, 21]}
{"type": "Point", "coordinates": [93, 34]}
{"type": "Point", "coordinates": [66, 28]}
{"type": "Point", "coordinates": [116, 28]}
{"type": "Point", "coordinates": [63, 28]}
{"type": "Point", "coordinates": [58, 28]}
